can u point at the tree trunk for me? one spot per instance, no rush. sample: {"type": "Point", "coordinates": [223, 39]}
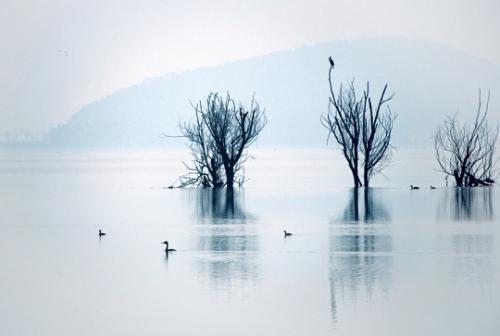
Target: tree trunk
{"type": "Point", "coordinates": [229, 177]}
{"type": "Point", "coordinates": [355, 176]}
{"type": "Point", "coordinates": [366, 173]}
{"type": "Point", "coordinates": [458, 179]}
{"type": "Point", "coordinates": [366, 178]}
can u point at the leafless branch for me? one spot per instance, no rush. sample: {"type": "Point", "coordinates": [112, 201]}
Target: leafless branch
{"type": "Point", "coordinates": [362, 131]}
{"type": "Point", "coordinates": [219, 138]}
{"type": "Point", "coordinates": [467, 152]}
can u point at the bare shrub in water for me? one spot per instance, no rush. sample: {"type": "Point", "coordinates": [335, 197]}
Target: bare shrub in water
{"type": "Point", "coordinates": [467, 152]}
{"type": "Point", "coordinates": [219, 138]}
{"type": "Point", "coordinates": [361, 129]}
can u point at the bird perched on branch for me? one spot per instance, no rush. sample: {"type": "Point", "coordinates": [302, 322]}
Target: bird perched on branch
{"type": "Point", "coordinates": [332, 64]}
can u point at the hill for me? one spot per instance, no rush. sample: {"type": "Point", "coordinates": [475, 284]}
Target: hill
{"type": "Point", "coordinates": [429, 81]}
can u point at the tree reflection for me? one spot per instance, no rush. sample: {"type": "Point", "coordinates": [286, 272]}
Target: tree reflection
{"type": "Point", "coordinates": [218, 205]}
{"type": "Point", "coordinates": [371, 210]}
{"type": "Point", "coordinates": [227, 242]}
{"type": "Point", "coordinates": [464, 204]}
{"type": "Point", "coordinates": [360, 261]}
{"type": "Point", "coordinates": [467, 257]}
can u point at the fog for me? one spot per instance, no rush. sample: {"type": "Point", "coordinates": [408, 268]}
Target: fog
{"type": "Point", "coordinates": [55, 59]}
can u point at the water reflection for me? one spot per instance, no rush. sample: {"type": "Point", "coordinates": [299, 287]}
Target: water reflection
{"type": "Point", "coordinates": [220, 205]}
{"type": "Point", "coordinates": [227, 240]}
{"type": "Point", "coordinates": [360, 261]}
{"type": "Point", "coordinates": [370, 210]}
{"type": "Point", "coordinates": [463, 204]}
{"type": "Point", "coordinates": [466, 244]}
{"type": "Point", "coordinates": [467, 257]}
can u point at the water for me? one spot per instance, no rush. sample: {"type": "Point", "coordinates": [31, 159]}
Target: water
{"type": "Point", "coordinates": [389, 261]}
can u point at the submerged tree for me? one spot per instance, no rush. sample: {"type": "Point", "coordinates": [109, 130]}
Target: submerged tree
{"type": "Point", "coordinates": [233, 129]}
{"type": "Point", "coordinates": [206, 167]}
{"type": "Point", "coordinates": [362, 129]}
{"type": "Point", "coordinates": [219, 139]}
{"type": "Point", "coordinates": [467, 152]}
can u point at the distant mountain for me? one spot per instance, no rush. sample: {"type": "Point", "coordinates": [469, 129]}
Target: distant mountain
{"type": "Point", "coordinates": [429, 81]}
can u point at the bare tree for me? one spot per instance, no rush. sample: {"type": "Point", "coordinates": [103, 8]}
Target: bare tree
{"type": "Point", "coordinates": [219, 138]}
{"type": "Point", "coordinates": [467, 152]}
{"type": "Point", "coordinates": [361, 129]}
{"type": "Point", "coordinates": [206, 167]}
{"type": "Point", "coordinates": [233, 129]}
{"type": "Point", "coordinates": [343, 121]}
{"type": "Point", "coordinates": [376, 135]}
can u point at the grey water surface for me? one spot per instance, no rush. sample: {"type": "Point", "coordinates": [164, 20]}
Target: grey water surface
{"type": "Point", "coordinates": [382, 261]}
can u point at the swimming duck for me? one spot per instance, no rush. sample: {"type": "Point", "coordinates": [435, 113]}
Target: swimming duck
{"type": "Point", "coordinates": [287, 234]}
{"type": "Point", "coordinates": [101, 233]}
{"type": "Point", "coordinates": [166, 247]}
{"type": "Point", "coordinates": [412, 187]}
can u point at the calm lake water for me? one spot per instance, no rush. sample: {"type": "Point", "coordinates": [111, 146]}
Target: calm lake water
{"type": "Point", "coordinates": [387, 261]}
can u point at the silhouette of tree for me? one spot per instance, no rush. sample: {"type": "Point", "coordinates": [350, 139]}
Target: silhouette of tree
{"type": "Point", "coordinates": [361, 129]}
{"type": "Point", "coordinates": [206, 167]}
{"type": "Point", "coordinates": [376, 135]}
{"type": "Point", "coordinates": [219, 138]}
{"type": "Point", "coordinates": [467, 153]}
{"type": "Point", "coordinates": [233, 128]}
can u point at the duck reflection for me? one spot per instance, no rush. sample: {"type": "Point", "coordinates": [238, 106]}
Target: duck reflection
{"type": "Point", "coordinates": [227, 239]}
{"type": "Point", "coordinates": [360, 261]}
{"type": "Point", "coordinates": [465, 204]}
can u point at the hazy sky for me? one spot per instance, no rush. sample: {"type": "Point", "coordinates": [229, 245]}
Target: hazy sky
{"type": "Point", "coordinates": [56, 56]}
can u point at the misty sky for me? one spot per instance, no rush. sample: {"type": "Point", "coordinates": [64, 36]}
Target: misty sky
{"type": "Point", "coordinates": [56, 56]}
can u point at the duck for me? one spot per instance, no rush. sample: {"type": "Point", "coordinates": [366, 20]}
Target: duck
{"type": "Point", "coordinates": [432, 187]}
{"type": "Point", "coordinates": [412, 187]}
{"type": "Point", "coordinates": [101, 233]}
{"type": "Point", "coordinates": [287, 234]}
{"type": "Point", "coordinates": [166, 247]}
